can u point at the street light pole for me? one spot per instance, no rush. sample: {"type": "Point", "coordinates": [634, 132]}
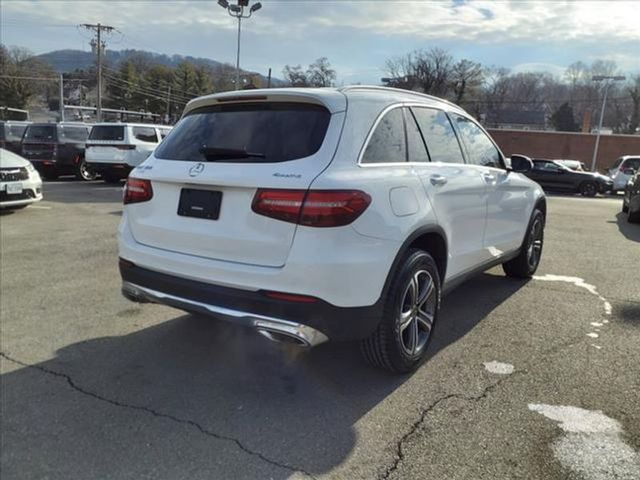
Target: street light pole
{"type": "Point", "coordinates": [238, 54]}
{"type": "Point", "coordinates": [597, 78]}
{"type": "Point", "coordinates": [238, 11]}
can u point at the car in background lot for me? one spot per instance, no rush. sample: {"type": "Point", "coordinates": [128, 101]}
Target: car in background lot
{"type": "Point", "coordinates": [631, 200]}
{"type": "Point", "coordinates": [622, 170]}
{"type": "Point", "coordinates": [11, 132]}
{"type": "Point", "coordinates": [114, 149]}
{"type": "Point", "coordinates": [553, 176]}
{"type": "Point", "coordinates": [57, 149]}
{"type": "Point", "coordinates": [285, 211]}
{"type": "Point", "coordinates": [20, 183]}
{"type": "Point", "coordinates": [575, 165]}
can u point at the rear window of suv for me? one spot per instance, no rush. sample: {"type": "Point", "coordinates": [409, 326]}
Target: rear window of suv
{"type": "Point", "coordinates": [107, 132]}
{"type": "Point", "coordinates": [269, 132]}
{"type": "Point", "coordinates": [41, 133]}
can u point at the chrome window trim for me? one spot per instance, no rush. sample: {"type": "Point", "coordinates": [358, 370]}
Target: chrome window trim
{"type": "Point", "coordinates": [409, 164]}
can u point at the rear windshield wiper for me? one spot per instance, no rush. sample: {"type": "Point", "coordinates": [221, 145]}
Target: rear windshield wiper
{"type": "Point", "coordinates": [212, 154]}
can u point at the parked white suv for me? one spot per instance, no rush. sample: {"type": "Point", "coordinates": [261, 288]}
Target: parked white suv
{"type": "Point", "coordinates": [622, 171]}
{"type": "Point", "coordinates": [114, 149]}
{"type": "Point", "coordinates": [326, 214]}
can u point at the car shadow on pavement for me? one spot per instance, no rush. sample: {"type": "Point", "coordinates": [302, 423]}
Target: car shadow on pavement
{"type": "Point", "coordinates": [629, 230]}
{"type": "Point", "coordinates": [196, 398]}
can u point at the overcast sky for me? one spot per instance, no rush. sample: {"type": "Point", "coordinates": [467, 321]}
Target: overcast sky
{"type": "Point", "coordinates": [356, 35]}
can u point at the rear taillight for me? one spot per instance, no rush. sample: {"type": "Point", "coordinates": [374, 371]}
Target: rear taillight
{"type": "Point", "coordinates": [137, 190]}
{"type": "Point", "coordinates": [313, 208]}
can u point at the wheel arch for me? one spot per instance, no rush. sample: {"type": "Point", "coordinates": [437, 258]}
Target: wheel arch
{"type": "Point", "coordinates": [431, 239]}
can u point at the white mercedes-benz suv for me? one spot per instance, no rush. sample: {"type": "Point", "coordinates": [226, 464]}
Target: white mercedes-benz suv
{"type": "Point", "coordinates": [326, 214]}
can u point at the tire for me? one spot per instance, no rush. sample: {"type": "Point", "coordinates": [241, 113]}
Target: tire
{"type": "Point", "coordinates": [625, 207]}
{"type": "Point", "coordinates": [111, 178]}
{"type": "Point", "coordinates": [633, 217]}
{"type": "Point", "coordinates": [400, 342]}
{"type": "Point", "coordinates": [527, 261]}
{"type": "Point", "coordinates": [588, 189]}
{"type": "Point", "coordinates": [83, 172]}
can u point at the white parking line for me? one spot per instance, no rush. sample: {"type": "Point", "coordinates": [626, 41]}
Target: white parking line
{"type": "Point", "coordinates": [39, 207]}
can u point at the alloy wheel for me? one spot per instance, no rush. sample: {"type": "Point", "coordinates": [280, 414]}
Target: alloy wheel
{"type": "Point", "coordinates": [417, 312]}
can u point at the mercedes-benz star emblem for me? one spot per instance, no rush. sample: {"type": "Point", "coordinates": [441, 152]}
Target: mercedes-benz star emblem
{"type": "Point", "coordinates": [196, 170]}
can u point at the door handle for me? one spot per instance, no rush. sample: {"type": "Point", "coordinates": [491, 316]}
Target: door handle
{"type": "Point", "coordinates": [438, 180]}
{"type": "Point", "coordinates": [488, 177]}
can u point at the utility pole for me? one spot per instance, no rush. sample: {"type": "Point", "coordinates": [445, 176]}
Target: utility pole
{"type": "Point", "coordinates": [609, 79]}
{"type": "Point", "coordinates": [168, 104]}
{"type": "Point", "coordinates": [61, 103]}
{"type": "Point", "coordinates": [98, 28]}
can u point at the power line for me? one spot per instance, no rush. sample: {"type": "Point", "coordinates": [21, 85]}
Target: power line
{"type": "Point", "coordinates": [121, 84]}
{"type": "Point", "coordinates": [187, 94]}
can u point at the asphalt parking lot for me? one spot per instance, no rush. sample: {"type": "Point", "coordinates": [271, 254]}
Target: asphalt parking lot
{"type": "Point", "coordinates": [536, 379]}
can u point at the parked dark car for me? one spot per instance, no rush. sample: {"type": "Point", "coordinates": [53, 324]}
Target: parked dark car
{"type": "Point", "coordinates": [57, 149]}
{"type": "Point", "coordinates": [553, 176]}
{"type": "Point", "coordinates": [11, 132]}
{"type": "Point", "coordinates": [631, 201]}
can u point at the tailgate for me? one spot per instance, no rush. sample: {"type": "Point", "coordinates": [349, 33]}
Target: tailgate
{"type": "Point", "coordinates": [296, 143]}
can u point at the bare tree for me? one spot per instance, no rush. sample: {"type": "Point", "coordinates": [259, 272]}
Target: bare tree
{"type": "Point", "coordinates": [19, 62]}
{"type": "Point", "coordinates": [320, 73]}
{"type": "Point", "coordinates": [295, 76]}
{"type": "Point", "coordinates": [466, 76]}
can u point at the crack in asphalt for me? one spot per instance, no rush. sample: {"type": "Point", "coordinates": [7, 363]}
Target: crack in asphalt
{"type": "Point", "coordinates": [155, 413]}
{"type": "Point", "coordinates": [399, 456]}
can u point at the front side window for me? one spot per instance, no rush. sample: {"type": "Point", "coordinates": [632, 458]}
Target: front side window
{"type": "Point", "coordinates": [438, 134]}
{"type": "Point", "coordinates": [266, 132]}
{"type": "Point", "coordinates": [480, 148]}
{"type": "Point", "coordinates": [633, 163]}
{"type": "Point", "coordinates": [387, 143]}
{"type": "Point", "coordinates": [145, 134]}
{"type": "Point", "coordinates": [546, 166]}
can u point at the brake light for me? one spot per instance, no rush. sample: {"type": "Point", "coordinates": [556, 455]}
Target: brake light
{"type": "Point", "coordinates": [137, 190]}
{"type": "Point", "coordinates": [313, 208]}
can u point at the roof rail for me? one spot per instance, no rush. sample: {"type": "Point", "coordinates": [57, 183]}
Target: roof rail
{"type": "Point", "coordinates": [398, 90]}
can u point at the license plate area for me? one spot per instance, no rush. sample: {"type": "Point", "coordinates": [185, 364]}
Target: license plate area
{"type": "Point", "coordinates": [199, 203]}
{"type": "Point", "coordinates": [14, 188]}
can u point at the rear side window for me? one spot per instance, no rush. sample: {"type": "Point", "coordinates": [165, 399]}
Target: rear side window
{"type": "Point", "coordinates": [480, 148]}
{"type": "Point", "coordinates": [255, 133]}
{"type": "Point", "coordinates": [41, 133]}
{"type": "Point", "coordinates": [387, 143]}
{"type": "Point", "coordinates": [416, 149]}
{"type": "Point", "coordinates": [145, 134]}
{"type": "Point", "coordinates": [107, 132]}
{"type": "Point", "coordinates": [438, 133]}
{"type": "Point", "coordinates": [74, 134]}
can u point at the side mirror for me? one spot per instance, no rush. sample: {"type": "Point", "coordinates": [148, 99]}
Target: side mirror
{"type": "Point", "coordinates": [521, 164]}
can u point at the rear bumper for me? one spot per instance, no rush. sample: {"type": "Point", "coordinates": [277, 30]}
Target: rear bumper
{"type": "Point", "coordinates": [310, 323]}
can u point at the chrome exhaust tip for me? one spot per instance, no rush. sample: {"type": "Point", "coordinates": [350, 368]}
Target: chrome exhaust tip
{"type": "Point", "coordinates": [280, 337]}
{"type": "Point", "coordinates": [289, 332]}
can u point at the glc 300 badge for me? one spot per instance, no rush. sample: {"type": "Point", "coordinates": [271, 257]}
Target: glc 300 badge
{"type": "Point", "coordinates": [196, 170]}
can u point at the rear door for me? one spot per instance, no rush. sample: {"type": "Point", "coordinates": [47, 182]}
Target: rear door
{"type": "Point", "coordinates": [456, 190]}
{"type": "Point", "coordinates": [285, 144]}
